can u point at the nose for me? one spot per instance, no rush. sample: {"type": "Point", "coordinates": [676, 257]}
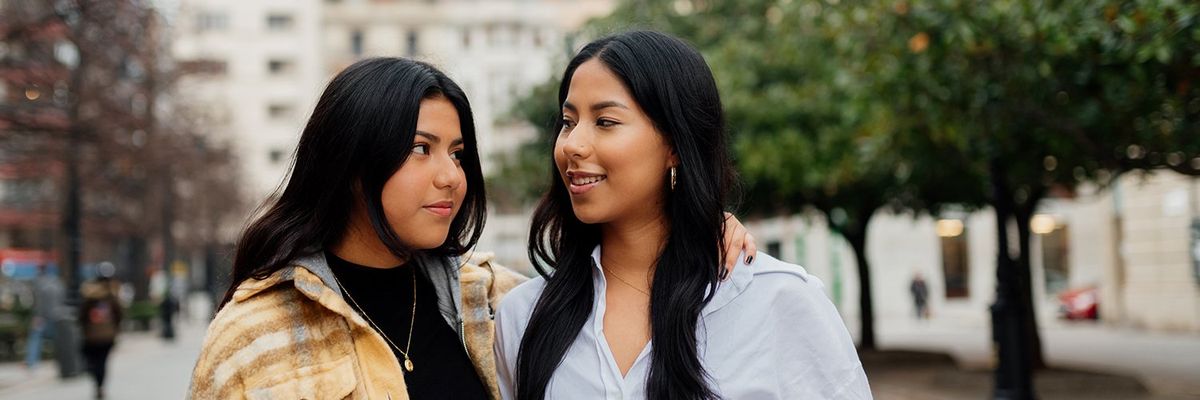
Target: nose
{"type": "Point", "coordinates": [577, 144]}
{"type": "Point", "coordinates": [448, 176]}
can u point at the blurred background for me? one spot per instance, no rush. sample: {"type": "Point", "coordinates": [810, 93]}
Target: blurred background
{"type": "Point", "coordinates": [1001, 197]}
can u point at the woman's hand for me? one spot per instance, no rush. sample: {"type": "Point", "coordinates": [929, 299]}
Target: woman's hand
{"type": "Point", "coordinates": [737, 239]}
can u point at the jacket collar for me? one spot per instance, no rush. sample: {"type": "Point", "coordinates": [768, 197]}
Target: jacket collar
{"type": "Point", "coordinates": [312, 277]}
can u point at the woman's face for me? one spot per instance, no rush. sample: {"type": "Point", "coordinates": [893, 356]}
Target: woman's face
{"type": "Point", "coordinates": [423, 196]}
{"type": "Point", "coordinates": [609, 154]}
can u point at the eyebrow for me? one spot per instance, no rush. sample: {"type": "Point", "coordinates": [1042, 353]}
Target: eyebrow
{"type": "Point", "coordinates": [596, 107]}
{"type": "Point", "coordinates": [435, 139]}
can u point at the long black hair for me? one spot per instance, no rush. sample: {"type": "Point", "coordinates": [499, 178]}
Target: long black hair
{"type": "Point", "coordinates": [671, 82]}
{"type": "Point", "coordinates": [359, 134]}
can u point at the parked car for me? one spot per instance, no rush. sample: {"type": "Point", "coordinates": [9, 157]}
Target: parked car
{"type": "Point", "coordinates": [1079, 303]}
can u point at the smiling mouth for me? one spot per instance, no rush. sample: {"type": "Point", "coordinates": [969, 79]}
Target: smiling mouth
{"type": "Point", "coordinates": [582, 184]}
{"type": "Point", "coordinates": [587, 180]}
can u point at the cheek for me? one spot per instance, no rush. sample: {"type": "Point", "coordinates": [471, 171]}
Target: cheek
{"type": "Point", "coordinates": [560, 159]}
{"type": "Point", "coordinates": [461, 193]}
{"type": "Point", "coordinates": [399, 198]}
{"type": "Point", "coordinates": [635, 166]}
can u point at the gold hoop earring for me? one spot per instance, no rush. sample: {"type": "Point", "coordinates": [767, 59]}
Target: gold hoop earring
{"type": "Point", "coordinates": [672, 179]}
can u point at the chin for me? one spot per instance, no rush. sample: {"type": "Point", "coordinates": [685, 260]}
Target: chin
{"type": "Point", "coordinates": [427, 240]}
{"type": "Point", "coordinates": [588, 215]}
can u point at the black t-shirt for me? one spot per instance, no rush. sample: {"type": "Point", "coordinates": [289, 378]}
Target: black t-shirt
{"type": "Point", "coordinates": [441, 368]}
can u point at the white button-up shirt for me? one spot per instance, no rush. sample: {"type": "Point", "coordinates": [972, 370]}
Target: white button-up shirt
{"type": "Point", "coordinates": [769, 332]}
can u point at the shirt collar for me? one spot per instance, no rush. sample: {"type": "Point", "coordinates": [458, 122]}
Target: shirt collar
{"type": "Point", "coordinates": [739, 280]}
{"type": "Point", "coordinates": [596, 260]}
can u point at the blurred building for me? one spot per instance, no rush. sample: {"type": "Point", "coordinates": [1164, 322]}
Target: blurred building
{"type": "Point", "coordinates": [253, 75]}
{"type": "Point", "coordinates": [1137, 243]}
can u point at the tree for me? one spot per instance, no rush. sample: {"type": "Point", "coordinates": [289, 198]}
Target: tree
{"type": "Point", "coordinates": [91, 105]}
{"type": "Point", "coordinates": [523, 175]}
{"type": "Point", "coordinates": [1042, 96]}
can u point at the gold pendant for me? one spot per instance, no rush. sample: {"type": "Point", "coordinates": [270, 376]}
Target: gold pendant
{"type": "Point", "coordinates": [408, 365]}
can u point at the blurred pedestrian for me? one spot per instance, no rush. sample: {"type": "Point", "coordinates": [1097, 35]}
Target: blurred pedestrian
{"type": "Point", "coordinates": [100, 320]}
{"type": "Point", "coordinates": [920, 294]}
{"type": "Point", "coordinates": [48, 292]}
{"type": "Point", "coordinates": [167, 309]}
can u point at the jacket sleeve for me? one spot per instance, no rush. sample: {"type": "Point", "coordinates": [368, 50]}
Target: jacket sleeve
{"type": "Point", "coordinates": [216, 376]}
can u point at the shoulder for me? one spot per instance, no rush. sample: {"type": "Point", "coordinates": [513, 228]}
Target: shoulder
{"type": "Point", "coordinates": [807, 327]}
{"type": "Point", "coordinates": [517, 305]}
{"type": "Point", "coordinates": [254, 337]}
{"type": "Point", "coordinates": [480, 268]}
{"type": "Point", "coordinates": [787, 288]}
{"type": "Point", "coordinates": [765, 266]}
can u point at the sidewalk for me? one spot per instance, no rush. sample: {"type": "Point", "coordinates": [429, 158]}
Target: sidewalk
{"type": "Point", "coordinates": [1166, 364]}
{"type": "Point", "coordinates": [142, 366]}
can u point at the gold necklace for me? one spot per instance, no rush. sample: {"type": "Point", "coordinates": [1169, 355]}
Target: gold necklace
{"type": "Point", "coordinates": [614, 274]}
{"type": "Point", "coordinates": [408, 364]}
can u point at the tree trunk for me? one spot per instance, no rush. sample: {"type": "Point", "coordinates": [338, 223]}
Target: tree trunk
{"type": "Point", "coordinates": [1013, 375]}
{"type": "Point", "coordinates": [1033, 340]}
{"type": "Point", "coordinates": [854, 230]}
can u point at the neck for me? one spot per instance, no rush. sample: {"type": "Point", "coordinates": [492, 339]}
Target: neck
{"type": "Point", "coordinates": [632, 248]}
{"type": "Point", "coordinates": [360, 245]}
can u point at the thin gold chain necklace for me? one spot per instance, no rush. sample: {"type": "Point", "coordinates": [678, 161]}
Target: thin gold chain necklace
{"type": "Point", "coordinates": [619, 278]}
{"type": "Point", "coordinates": [408, 364]}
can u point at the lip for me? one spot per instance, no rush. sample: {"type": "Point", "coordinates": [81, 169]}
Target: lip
{"type": "Point", "coordinates": [581, 189]}
{"type": "Point", "coordinates": [442, 208]}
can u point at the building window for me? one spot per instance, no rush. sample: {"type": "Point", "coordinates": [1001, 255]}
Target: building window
{"type": "Point", "coordinates": [801, 250]}
{"type": "Point", "coordinates": [276, 156]}
{"type": "Point", "coordinates": [412, 38]}
{"type": "Point", "coordinates": [955, 266]}
{"type": "Point", "coordinates": [26, 193]}
{"type": "Point", "coordinates": [211, 21]}
{"type": "Point", "coordinates": [1056, 251]}
{"type": "Point", "coordinates": [279, 22]}
{"type": "Point", "coordinates": [356, 43]}
{"type": "Point", "coordinates": [279, 111]}
{"type": "Point", "coordinates": [279, 66]}
{"type": "Point", "coordinates": [774, 248]}
{"type": "Point", "coordinates": [211, 67]}
{"type": "Point", "coordinates": [1196, 248]}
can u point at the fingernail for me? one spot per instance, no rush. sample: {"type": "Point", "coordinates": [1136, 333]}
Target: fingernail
{"type": "Point", "coordinates": [749, 259]}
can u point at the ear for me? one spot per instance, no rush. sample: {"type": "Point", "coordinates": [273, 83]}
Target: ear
{"type": "Point", "coordinates": [672, 158]}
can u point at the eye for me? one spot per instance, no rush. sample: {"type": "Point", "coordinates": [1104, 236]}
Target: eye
{"type": "Point", "coordinates": [457, 155]}
{"type": "Point", "coordinates": [605, 123]}
{"type": "Point", "coordinates": [421, 149]}
{"type": "Point", "coordinates": [567, 123]}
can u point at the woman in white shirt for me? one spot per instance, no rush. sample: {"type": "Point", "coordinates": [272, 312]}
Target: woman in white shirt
{"type": "Point", "coordinates": [636, 307]}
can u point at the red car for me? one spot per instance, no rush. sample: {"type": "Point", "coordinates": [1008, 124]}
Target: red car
{"type": "Point", "coordinates": [1079, 303]}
